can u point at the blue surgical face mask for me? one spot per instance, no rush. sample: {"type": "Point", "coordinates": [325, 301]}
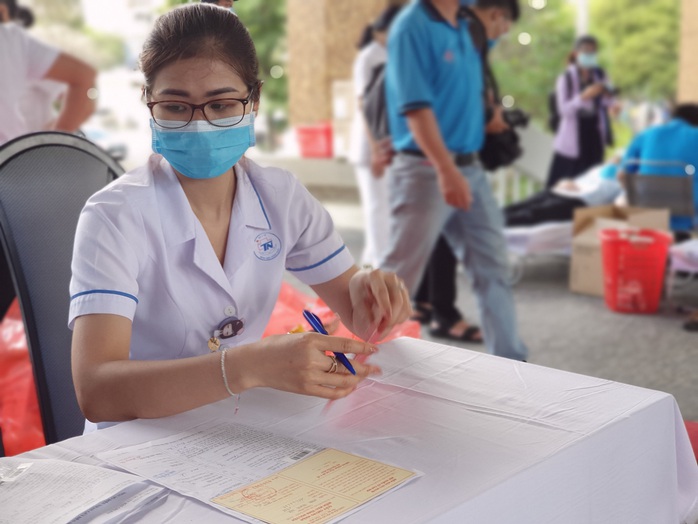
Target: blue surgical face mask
{"type": "Point", "coordinates": [201, 150]}
{"type": "Point", "coordinates": [587, 60]}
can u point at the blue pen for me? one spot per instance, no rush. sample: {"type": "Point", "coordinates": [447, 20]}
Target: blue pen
{"type": "Point", "coordinates": [317, 326]}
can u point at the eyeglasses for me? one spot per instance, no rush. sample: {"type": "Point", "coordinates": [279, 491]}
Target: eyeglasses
{"type": "Point", "coordinates": [222, 112]}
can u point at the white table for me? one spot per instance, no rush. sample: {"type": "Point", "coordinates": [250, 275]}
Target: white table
{"type": "Point", "coordinates": [498, 441]}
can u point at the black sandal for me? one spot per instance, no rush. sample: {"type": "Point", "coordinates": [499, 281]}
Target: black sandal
{"type": "Point", "coordinates": [471, 334]}
{"type": "Point", "coordinates": [422, 313]}
{"type": "Point", "coordinates": [691, 325]}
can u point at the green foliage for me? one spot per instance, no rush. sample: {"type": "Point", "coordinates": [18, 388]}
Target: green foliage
{"type": "Point", "coordinates": [266, 21]}
{"type": "Point", "coordinates": [108, 50]}
{"type": "Point", "coordinates": [59, 12]}
{"type": "Point", "coordinates": [528, 72]}
{"type": "Point", "coordinates": [639, 49]}
{"type": "Point", "coordinates": [639, 44]}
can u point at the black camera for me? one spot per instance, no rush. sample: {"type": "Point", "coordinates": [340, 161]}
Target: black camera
{"type": "Point", "coordinates": [609, 90]}
{"type": "Point", "coordinates": [516, 117]}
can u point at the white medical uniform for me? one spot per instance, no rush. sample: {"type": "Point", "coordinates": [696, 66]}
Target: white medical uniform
{"type": "Point", "coordinates": [140, 252]}
{"type": "Point", "coordinates": [23, 60]}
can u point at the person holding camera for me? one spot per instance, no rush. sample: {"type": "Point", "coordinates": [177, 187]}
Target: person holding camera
{"type": "Point", "coordinates": [581, 119]}
{"type": "Point", "coordinates": [436, 109]}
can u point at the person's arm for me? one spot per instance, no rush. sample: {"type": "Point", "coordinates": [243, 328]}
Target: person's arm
{"type": "Point", "coordinates": [110, 387]}
{"type": "Point", "coordinates": [80, 78]}
{"type": "Point", "coordinates": [496, 124]}
{"type": "Point", "coordinates": [569, 103]}
{"type": "Point", "coordinates": [425, 130]}
{"type": "Point", "coordinates": [409, 81]}
{"type": "Point", "coordinates": [369, 302]}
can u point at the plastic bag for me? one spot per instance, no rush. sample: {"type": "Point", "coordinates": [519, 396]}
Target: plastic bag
{"type": "Point", "coordinates": [288, 316]}
{"type": "Point", "coordinates": [20, 419]}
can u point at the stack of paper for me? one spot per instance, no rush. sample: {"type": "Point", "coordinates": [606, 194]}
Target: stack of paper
{"type": "Point", "coordinates": [56, 491]}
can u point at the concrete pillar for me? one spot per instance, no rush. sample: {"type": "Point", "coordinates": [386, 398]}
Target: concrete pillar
{"type": "Point", "coordinates": [688, 54]}
{"type": "Point", "coordinates": [322, 37]}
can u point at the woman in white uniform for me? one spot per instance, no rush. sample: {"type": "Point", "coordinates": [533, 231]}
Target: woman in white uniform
{"type": "Point", "coordinates": [177, 265]}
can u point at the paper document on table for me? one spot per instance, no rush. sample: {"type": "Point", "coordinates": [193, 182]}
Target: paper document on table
{"type": "Point", "coordinates": [320, 489]}
{"type": "Point", "coordinates": [49, 491]}
{"type": "Point", "coordinates": [218, 458]}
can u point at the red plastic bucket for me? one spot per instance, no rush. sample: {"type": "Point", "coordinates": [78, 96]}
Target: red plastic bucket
{"type": "Point", "coordinates": [315, 141]}
{"type": "Point", "coordinates": [634, 262]}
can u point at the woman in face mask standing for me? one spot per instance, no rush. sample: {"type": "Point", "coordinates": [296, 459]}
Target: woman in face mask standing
{"type": "Point", "coordinates": [583, 95]}
{"type": "Point", "coordinates": [178, 264]}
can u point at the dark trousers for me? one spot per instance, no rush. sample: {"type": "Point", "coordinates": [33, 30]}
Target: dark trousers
{"type": "Point", "coordinates": [591, 152]}
{"type": "Point", "coordinates": [438, 285]}
{"type": "Point", "coordinates": [542, 207]}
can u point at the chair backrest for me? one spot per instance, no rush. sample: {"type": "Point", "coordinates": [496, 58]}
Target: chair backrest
{"type": "Point", "coordinates": [672, 192]}
{"type": "Point", "coordinates": [45, 179]}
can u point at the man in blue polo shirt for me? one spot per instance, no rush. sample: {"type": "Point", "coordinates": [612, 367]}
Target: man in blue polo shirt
{"type": "Point", "coordinates": [668, 149]}
{"type": "Point", "coordinates": [435, 104]}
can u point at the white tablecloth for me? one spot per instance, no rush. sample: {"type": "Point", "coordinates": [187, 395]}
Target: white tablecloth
{"type": "Point", "coordinates": [498, 441]}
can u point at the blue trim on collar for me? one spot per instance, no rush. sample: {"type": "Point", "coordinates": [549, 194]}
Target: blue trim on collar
{"type": "Point", "coordinates": [105, 292]}
{"type": "Point", "coordinates": [306, 268]}
{"type": "Point", "coordinates": [260, 202]}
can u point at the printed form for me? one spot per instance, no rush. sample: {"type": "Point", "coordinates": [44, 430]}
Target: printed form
{"type": "Point", "coordinates": [258, 476]}
{"type": "Point", "coordinates": [56, 491]}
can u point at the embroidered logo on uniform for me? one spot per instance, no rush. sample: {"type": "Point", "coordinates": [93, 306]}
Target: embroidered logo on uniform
{"type": "Point", "coordinates": [268, 246]}
{"type": "Point", "coordinates": [448, 56]}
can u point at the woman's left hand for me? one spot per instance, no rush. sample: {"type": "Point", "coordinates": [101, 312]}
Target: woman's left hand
{"type": "Point", "coordinates": [379, 301]}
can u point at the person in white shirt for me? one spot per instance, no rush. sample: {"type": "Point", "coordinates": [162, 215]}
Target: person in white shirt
{"type": "Point", "coordinates": [177, 265]}
{"type": "Point", "coordinates": [23, 61]}
{"type": "Point", "coordinates": [364, 154]}
{"type": "Point", "coordinates": [42, 99]}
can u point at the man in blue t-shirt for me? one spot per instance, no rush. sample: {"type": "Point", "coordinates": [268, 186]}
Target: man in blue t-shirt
{"type": "Point", "coordinates": [669, 149]}
{"type": "Point", "coordinates": [435, 104]}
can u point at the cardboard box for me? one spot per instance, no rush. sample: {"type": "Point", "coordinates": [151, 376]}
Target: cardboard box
{"type": "Point", "coordinates": [586, 271]}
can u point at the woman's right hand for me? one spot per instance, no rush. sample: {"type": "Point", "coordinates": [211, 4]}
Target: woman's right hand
{"type": "Point", "coordinates": [297, 363]}
{"type": "Point", "coordinates": [593, 91]}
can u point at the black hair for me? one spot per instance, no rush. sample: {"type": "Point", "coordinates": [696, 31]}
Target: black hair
{"type": "Point", "coordinates": [366, 37]}
{"type": "Point", "coordinates": [201, 30]}
{"type": "Point", "coordinates": [586, 39]}
{"type": "Point", "coordinates": [385, 19]}
{"type": "Point", "coordinates": [511, 5]}
{"type": "Point", "coordinates": [11, 7]}
{"type": "Point", "coordinates": [380, 24]}
{"type": "Point", "coordinates": [688, 113]}
{"type": "Point", "coordinates": [25, 16]}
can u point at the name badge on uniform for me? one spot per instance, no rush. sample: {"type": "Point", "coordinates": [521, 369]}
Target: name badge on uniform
{"type": "Point", "coordinates": [228, 328]}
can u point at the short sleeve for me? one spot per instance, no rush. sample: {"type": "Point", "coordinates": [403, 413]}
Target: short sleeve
{"type": "Point", "coordinates": [38, 57]}
{"type": "Point", "coordinates": [633, 155]}
{"type": "Point", "coordinates": [105, 266]}
{"type": "Point", "coordinates": [318, 254]}
{"type": "Point", "coordinates": [408, 71]}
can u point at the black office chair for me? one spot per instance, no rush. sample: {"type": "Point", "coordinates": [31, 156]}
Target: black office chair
{"type": "Point", "coordinates": [45, 179]}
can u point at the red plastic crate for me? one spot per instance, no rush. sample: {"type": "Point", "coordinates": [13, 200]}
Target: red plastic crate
{"type": "Point", "coordinates": [315, 141]}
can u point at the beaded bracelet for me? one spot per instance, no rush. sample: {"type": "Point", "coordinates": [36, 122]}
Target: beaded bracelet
{"type": "Point", "coordinates": [225, 380]}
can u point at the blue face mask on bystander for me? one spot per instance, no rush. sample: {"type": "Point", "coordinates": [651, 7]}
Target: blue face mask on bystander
{"type": "Point", "coordinates": [587, 60]}
{"type": "Point", "coordinates": [201, 150]}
